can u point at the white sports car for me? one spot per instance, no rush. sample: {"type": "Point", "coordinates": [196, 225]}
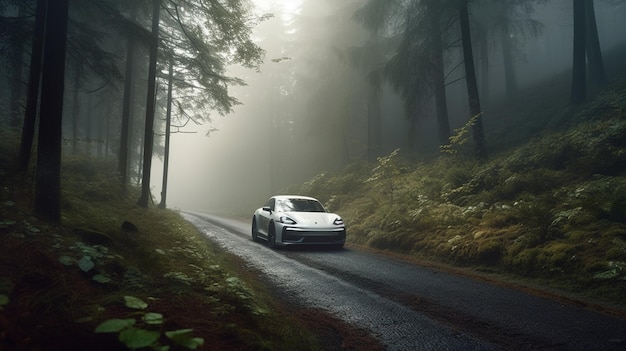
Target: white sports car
{"type": "Point", "coordinates": [297, 220]}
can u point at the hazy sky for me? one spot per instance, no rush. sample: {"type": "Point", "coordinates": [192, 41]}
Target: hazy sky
{"type": "Point", "coordinates": [288, 6]}
{"type": "Point", "coordinates": [205, 169]}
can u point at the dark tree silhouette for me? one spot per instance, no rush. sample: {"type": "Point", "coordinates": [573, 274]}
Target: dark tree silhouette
{"type": "Point", "coordinates": [597, 75]}
{"type": "Point", "coordinates": [579, 73]}
{"type": "Point", "coordinates": [16, 54]}
{"type": "Point", "coordinates": [150, 107]}
{"type": "Point", "coordinates": [509, 23]}
{"type": "Point", "coordinates": [32, 97]}
{"type": "Point", "coordinates": [48, 178]}
{"type": "Point", "coordinates": [420, 51]}
{"type": "Point", "coordinates": [472, 85]}
{"type": "Point", "coordinates": [168, 124]}
{"type": "Point", "coordinates": [127, 105]}
{"type": "Point", "coordinates": [438, 72]}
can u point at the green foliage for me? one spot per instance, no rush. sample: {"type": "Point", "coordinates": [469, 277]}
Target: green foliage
{"type": "Point", "coordinates": [385, 172]}
{"type": "Point", "coordinates": [137, 333]}
{"type": "Point", "coordinates": [553, 208]}
{"type": "Point", "coordinates": [461, 137]}
{"type": "Point", "coordinates": [115, 325]}
{"type": "Point", "coordinates": [184, 338]}
{"type": "Point", "coordinates": [134, 302]}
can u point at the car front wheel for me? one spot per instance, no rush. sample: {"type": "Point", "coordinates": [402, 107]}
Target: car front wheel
{"type": "Point", "coordinates": [255, 231]}
{"type": "Point", "coordinates": [271, 236]}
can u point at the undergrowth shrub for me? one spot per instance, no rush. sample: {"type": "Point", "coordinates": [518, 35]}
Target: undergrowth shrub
{"type": "Point", "coordinates": [489, 252]}
{"type": "Point", "coordinates": [384, 174]}
{"type": "Point", "coordinates": [554, 207]}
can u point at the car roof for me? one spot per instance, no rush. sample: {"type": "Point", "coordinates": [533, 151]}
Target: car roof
{"type": "Point", "coordinates": [280, 197]}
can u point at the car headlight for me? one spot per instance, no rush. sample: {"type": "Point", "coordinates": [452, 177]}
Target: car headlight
{"type": "Point", "coordinates": [286, 220]}
{"type": "Point", "coordinates": [338, 221]}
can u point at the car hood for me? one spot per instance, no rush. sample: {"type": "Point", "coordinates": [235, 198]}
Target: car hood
{"type": "Point", "coordinates": [312, 218]}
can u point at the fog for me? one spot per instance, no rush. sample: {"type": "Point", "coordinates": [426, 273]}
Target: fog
{"type": "Point", "coordinates": [305, 111]}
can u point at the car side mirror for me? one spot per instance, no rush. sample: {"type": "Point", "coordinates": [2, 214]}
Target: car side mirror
{"type": "Point", "coordinates": [267, 208]}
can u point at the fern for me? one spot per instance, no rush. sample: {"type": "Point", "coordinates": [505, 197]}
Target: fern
{"type": "Point", "coordinates": [386, 170]}
{"type": "Point", "coordinates": [461, 136]}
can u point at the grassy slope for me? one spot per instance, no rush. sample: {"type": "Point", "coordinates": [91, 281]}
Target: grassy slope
{"type": "Point", "coordinates": [51, 299]}
{"type": "Point", "coordinates": [550, 212]}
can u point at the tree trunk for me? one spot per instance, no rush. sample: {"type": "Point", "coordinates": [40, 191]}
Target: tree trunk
{"type": "Point", "coordinates": [374, 133]}
{"type": "Point", "coordinates": [107, 134]}
{"type": "Point", "coordinates": [579, 83]}
{"type": "Point", "coordinates": [485, 91]}
{"type": "Point", "coordinates": [16, 55]}
{"type": "Point", "coordinates": [32, 98]}
{"type": "Point", "coordinates": [472, 86]}
{"type": "Point", "coordinates": [150, 107]}
{"type": "Point", "coordinates": [90, 140]}
{"type": "Point", "coordinates": [75, 110]}
{"type": "Point", "coordinates": [127, 106]}
{"type": "Point", "coordinates": [48, 178]}
{"type": "Point", "coordinates": [597, 76]}
{"type": "Point", "coordinates": [510, 80]}
{"type": "Point", "coordinates": [168, 124]}
{"type": "Point", "coordinates": [441, 101]}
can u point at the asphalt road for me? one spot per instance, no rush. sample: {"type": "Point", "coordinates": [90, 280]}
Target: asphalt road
{"type": "Point", "coordinates": [410, 307]}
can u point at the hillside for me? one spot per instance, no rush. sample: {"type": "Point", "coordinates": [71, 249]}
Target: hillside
{"type": "Point", "coordinates": [547, 209]}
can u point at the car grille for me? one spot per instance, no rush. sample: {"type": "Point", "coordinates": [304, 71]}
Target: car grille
{"type": "Point", "coordinates": [313, 237]}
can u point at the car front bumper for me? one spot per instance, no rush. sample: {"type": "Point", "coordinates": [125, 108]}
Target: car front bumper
{"type": "Point", "coordinates": [313, 236]}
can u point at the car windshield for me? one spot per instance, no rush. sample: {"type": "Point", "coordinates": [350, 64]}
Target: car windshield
{"type": "Point", "coordinates": [300, 205]}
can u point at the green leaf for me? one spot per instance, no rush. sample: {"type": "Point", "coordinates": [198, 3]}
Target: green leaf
{"type": "Point", "coordinates": [67, 260]}
{"type": "Point", "coordinates": [114, 325]}
{"type": "Point", "coordinates": [135, 338]}
{"type": "Point", "coordinates": [135, 302]}
{"type": "Point", "coordinates": [86, 264]}
{"type": "Point", "coordinates": [184, 338]}
{"type": "Point", "coordinates": [101, 278]}
{"type": "Point", "coordinates": [153, 318]}
{"type": "Point", "coordinates": [175, 333]}
{"type": "Point", "coordinates": [614, 273]}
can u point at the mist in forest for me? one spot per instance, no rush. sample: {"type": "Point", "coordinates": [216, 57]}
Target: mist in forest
{"type": "Point", "coordinates": [306, 111]}
{"type": "Point", "coordinates": [340, 82]}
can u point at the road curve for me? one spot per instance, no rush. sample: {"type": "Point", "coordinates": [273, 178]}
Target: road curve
{"type": "Point", "coordinates": [409, 307]}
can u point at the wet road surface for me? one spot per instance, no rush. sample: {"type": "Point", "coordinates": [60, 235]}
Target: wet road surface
{"type": "Point", "coordinates": [410, 307]}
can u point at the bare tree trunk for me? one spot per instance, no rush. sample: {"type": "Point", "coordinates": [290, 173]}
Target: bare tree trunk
{"type": "Point", "coordinates": [16, 56]}
{"type": "Point", "coordinates": [90, 140]}
{"type": "Point", "coordinates": [168, 124]}
{"type": "Point", "coordinates": [441, 101]}
{"type": "Point", "coordinates": [107, 133]}
{"type": "Point", "coordinates": [150, 107]}
{"type": "Point", "coordinates": [579, 79]}
{"type": "Point", "coordinates": [374, 136]}
{"type": "Point", "coordinates": [127, 106]}
{"type": "Point", "coordinates": [48, 178]}
{"type": "Point", "coordinates": [597, 76]}
{"type": "Point", "coordinates": [75, 111]}
{"type": "Point", "coordinates": [32, 98]}
{"type": "Point", "coordinates": [510, 80]}
{"type": "Point", "coordinates": [472, 86]}
{"type": "Point", "coordinates": [485, 91]}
